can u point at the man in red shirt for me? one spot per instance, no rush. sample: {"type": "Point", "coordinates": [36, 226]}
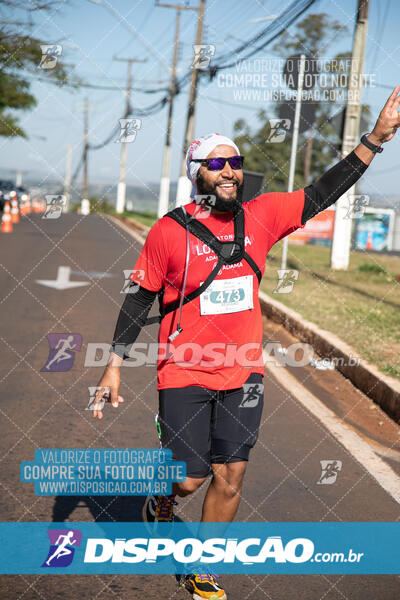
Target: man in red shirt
{"type": "Point", "coordinates": [210, 364]}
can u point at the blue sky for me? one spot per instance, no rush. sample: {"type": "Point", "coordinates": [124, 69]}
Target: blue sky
{"type": "Point", "coordinates": [91, 37]}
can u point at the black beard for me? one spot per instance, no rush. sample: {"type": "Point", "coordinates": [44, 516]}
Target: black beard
{"type": "Point", "coordinates": [217, 202]}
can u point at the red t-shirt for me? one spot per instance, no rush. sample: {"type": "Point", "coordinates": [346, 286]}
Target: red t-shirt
{"type": "Point", "coordinates": [216, 349]}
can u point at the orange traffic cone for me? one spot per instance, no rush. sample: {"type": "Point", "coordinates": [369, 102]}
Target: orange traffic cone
{"type": "Point", "coordinates": [36, 205]}
{"type": "Point", "coordinates": [369, 245]}
{"type": "Point", "coordinates": [6, 222]}
{"type": "Point", "coordinates": [14, 211]}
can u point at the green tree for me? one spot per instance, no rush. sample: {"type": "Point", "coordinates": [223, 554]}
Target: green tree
{"type": "Point", "coordinates": [320, 145]}
{"type": "Point", "coordinates": [101, 205]}
{"type": "Point", "coordinates": [20, 57]}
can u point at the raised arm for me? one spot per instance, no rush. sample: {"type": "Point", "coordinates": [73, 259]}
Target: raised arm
{"type": "Point", "coordinates": [342, 176]}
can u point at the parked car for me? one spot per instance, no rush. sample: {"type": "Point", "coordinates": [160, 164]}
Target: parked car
{"type": "Point", "coordinates": [23, 195]}
{"type": "Point", "coordinates": [6, 187]}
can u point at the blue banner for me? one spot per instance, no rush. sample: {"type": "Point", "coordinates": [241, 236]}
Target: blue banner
{"type": "Point", "coordinates": [102, 472]}
{"type": "Point", "coordinates": [142, 548]}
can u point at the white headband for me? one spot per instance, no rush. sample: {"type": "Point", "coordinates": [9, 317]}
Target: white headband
{"type": "Point", "coordinates": [200, 149]}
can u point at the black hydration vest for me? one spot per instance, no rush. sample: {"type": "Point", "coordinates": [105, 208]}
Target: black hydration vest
{"type": "Point", "coordinates": [228, 253]}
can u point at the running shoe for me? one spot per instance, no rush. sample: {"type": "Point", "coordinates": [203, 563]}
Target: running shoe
{"type": "Point", "coordinates": [203, 586]}
{"type": "Point", "coordinates": [159, 509]}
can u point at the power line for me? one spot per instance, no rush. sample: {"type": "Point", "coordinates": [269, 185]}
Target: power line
{"type": "Point", "coordinates": [380, 29]}
{"type": "Point", "coordinates": [296, 9]}
{"type": "Point", "coordinates": [276, 28]}
{"type": "Point", "coordinates": [136, 34]}
{"type": "Point", "coordinates": [387, 87]}
{"type": "Point", "coordinates": [287, 18]}
{"type": "Point", "coordinates": [236, 104]}
{"type": "Point", "coordinates": [108, 139]}
{"type": "Point", "coordinates": [105, 87]}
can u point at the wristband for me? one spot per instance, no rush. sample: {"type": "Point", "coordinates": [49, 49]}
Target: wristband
{"type": "Point", "coordinates": [370, 145]}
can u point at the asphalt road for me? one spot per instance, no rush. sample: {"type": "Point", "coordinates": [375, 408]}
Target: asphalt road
{"type": "Point", "coordinates": [46, 410]}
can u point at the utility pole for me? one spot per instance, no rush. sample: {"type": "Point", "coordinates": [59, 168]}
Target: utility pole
{"type": "Point", "coordinates": [121, 191]}
{"type": "Point", "coordinates": [18, 176]}
{"type": "Point", "coordinates": [67, 179]}
{"type": "Point", "coordinates": [85, 204]}
{"type": "Point", "coordinates": [85, 148]}
{"type": "Point", "coordinates": [340, 251]}
{"type": "Point", "coordinates": [308, 156]}
{"type": "Point", "coordinates": [184, 185]}
{"type": "Point", "coordinates": [163, 201]}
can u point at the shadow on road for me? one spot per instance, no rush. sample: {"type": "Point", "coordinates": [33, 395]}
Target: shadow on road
{"type": "Point", "coordinates": [102, 508]}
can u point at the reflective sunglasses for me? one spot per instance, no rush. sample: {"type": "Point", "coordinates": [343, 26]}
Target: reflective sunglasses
{"type": "Point", "coordinates": [218, 163]}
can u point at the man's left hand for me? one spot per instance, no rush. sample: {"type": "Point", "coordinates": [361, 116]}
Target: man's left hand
{"type": "Point", "coordinates": [388, 120]}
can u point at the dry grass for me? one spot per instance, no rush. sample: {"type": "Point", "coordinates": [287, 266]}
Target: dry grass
{"type": "Point", "coordinates": [360, 305]}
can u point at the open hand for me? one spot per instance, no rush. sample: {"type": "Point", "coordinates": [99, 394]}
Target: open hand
{"type": "Point", "coordinates": [108, 387]}
{"type": "Point", "coordinates": [388, 120]}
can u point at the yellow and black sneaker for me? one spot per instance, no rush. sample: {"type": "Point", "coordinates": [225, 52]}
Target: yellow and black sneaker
{"type": "Point", "coordinates": [203, 586]}
{"type": "Point", "coordinates": [158, 509]}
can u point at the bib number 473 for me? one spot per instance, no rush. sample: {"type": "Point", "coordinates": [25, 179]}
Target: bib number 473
{"type": "Point", "coordinates": [223, 296]}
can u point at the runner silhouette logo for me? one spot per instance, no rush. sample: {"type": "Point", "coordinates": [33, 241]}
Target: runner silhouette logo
{"type": "Point", "coordinates": [330, 471]}
{"type": "Point", "coordinates": [62, 351]}
{"type": "Point", "coordinates": [252, 393]}
{"type": "Point", "coordinates": [61, 551]}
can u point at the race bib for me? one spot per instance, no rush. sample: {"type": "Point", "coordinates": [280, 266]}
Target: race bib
{"type": "Point", "coordinates": [227, 296]}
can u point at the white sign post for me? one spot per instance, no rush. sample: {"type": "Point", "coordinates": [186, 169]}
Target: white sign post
{"type": "Point", "coordinates": [293, 153]}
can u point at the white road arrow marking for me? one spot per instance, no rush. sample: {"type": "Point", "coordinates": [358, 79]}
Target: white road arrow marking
{"type": "Point", "coordinates": [62, 282]}
{"type": "Point", "coordinates": [94, 274]}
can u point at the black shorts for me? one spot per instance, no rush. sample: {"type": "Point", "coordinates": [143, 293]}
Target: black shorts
{"type": "Point", "coordinates": [203, 426]}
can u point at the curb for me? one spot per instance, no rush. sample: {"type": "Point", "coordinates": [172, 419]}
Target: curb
{"type": "Point", "coordinates": [135, 223]}
{"type": "Point", "coordinates": [382, 389]}
{"type": "Point", "coordinates": [127, 225]}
